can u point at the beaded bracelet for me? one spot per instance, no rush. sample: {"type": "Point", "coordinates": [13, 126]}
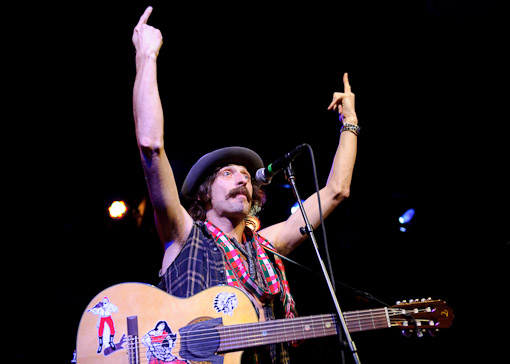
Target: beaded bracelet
{"type": "Point", "coordinates": [355, 129]}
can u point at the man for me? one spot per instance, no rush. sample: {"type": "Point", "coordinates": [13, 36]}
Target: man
{"type": "Point", "coordinates": [208, 243]}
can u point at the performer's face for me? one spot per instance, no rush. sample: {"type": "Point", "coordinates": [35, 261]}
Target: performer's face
{"type": "Point", "coordinates": [231, 192]}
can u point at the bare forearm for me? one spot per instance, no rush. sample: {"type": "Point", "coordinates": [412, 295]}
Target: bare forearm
{"type": "Point", "coordinates": [147, 109]}
{"type": "Point", "coordinates": [340, 177]}
{"type": "Point", "coordinates": [339, 180]}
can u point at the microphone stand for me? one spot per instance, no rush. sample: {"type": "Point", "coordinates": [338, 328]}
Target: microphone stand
{"type": "Point", "coordinates": [308, 229]}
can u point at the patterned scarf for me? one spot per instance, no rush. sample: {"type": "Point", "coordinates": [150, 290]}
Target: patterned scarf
{"type": "Point", "coordinates": [237, 273]}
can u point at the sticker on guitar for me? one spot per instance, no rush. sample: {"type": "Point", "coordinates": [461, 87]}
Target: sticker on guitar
{"type": "Point", "coordinates": [225, 302]}
{"type": "Point", "coordinates": [104, 310]}
{"type": "Point", "coordinates": [159, 342]}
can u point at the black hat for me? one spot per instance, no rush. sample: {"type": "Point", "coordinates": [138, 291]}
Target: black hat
{"type": "Point", "coordinates": [219, 158]}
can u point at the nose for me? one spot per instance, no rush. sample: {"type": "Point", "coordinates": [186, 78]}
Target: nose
{"type": "Point", "coordinates": [241, 179]}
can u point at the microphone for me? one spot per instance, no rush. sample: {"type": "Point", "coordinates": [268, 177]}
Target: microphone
{"type": "Point", "coordinates": [265, 174]}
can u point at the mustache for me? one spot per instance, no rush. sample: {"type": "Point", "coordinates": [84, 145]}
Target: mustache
{"type": "Point", "coordinates": [242, 190]}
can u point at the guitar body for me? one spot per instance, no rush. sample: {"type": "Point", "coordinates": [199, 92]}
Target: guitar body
{"type": "Point", "coordinates": [131, 323]}
{"type": "Point", "coordinates": [134, 322]}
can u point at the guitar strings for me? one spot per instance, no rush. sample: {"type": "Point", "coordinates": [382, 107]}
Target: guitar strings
{"type": "Point", "coordinates": [272, 326]}
{"type": "Point", "coordinates": [271, 329]}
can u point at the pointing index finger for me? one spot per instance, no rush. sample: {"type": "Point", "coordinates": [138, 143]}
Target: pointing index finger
{"type": "Point", "coordinates": [347, 86]}
{"type": "Point", "coordinates": [145, 16]}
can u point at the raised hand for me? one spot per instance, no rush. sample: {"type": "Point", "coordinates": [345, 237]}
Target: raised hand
{"type": "Point", "coordinates": [147, 39]}
{"type": "Point", "coordinates": [343, 102]}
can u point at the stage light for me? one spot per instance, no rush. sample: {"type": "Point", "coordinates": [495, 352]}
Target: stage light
{"type": "Point", "coordinates": [295, 207]}
{"type": "Point", "coordinates": [117, 209]}
{"type": "Point", "coordinates": [406, 216]}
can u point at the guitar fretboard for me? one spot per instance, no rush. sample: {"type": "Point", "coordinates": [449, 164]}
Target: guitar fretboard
{"type": "Point", "coordinates": [284, 330]}
{"type": "Point", "coordinates": [275, 331]}
{"type": "Point", "coordinates": [364, 320]}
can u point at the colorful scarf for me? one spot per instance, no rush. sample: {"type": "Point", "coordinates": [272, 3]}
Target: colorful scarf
{"type": "Point", "coordinates": [237, 273]}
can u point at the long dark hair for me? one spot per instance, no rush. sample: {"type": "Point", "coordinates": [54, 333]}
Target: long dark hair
{"type": "Point", "coordinates": [166, 328]}
{"type": "Point", "coordinates": [197, 205]}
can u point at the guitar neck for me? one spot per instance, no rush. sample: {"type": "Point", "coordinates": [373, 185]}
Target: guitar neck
{"type": "Point", "coordinates": [241, 336]}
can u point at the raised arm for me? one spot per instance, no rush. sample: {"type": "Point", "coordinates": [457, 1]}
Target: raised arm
{"type": "Point", "coordinates": [173, 222]}
{"type": "Point", "coordinates": [286, 236]}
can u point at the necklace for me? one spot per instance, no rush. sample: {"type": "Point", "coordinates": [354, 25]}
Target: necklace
{"type": "Point", "coordinates": [248, 253]}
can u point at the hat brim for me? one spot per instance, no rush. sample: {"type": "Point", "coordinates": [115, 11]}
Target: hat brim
{"type": "Point", "coordinates": [219, 158]}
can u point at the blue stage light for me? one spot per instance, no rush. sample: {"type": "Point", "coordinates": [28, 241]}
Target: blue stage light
{"type": "Point", "coordinates": [406, 216]}
{"type": "Point", "coordinates": [295, 207]}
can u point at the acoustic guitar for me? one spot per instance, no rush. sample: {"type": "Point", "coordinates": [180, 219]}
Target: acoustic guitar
{"type": "Point", "coordinates": [135, 323]}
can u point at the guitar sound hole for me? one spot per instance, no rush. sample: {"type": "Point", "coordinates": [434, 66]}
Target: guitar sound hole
{"type": "Point", "coordinates": [200, 340]}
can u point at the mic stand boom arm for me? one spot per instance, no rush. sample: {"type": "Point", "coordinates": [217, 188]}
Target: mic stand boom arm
{"type": "Point", "coordinates": [290, 175]}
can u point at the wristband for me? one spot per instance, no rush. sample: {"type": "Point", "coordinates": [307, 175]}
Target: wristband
{"type": "Point", "coordinates": [355, 129]}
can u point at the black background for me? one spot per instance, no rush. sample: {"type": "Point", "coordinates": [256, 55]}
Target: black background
{"type": "Point", "coordinates": [431, 83]}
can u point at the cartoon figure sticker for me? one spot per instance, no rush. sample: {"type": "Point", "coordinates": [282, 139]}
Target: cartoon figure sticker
{"type": "Point", "coordinates": [159, 342]}
{"type": "Point", "coordinates": [225, 302]}
{"type": "Point", "coordinates": [104, 310]}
